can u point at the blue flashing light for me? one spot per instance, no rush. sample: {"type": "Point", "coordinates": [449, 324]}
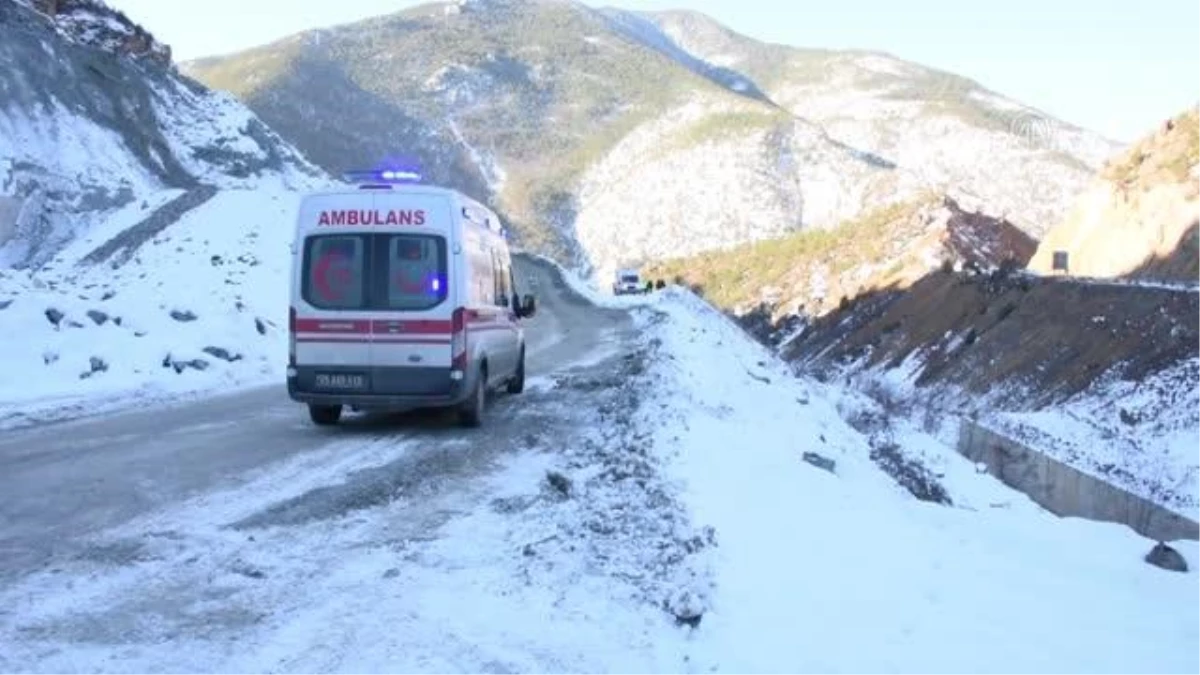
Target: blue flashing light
{"type": "Point", "coordinates": [401, 176]}
{"type": "Point", "coordinates": [382, 176]}
{"type": "Point", "coordinates": [435, 284]}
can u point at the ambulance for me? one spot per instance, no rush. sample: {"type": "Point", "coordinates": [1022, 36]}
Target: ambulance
{"type": "Point", "coordinates": [403, 296]}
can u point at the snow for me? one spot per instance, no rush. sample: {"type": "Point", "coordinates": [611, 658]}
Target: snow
{"type": "Point", "coordinates": [57, 142]}
{"type": "Point", "coordinates": [647, 197]}
{"type": "Point", "coordinates": [886, 65]}
{"type": "Point", "coordinates": [1140, 436]}
{"type": "Point", "coordinates": [91, 22]}
{"type": "Point", "coordinates": [812, 567]}
{"type": "Point", "coordinates": [226, 262]}
{"type": "Point", "coordinates": [215, 119]}
{"type": "Point", "coordinates": [1177, 286]}
{"type": "Point", "coordinates": [113, 224]}
{"type": "Point", "coordinates": [794, 569]}
{"type": "Point", "coordinates": [459, 603]}
{"type": "Point", "coordinates": [488, 165]}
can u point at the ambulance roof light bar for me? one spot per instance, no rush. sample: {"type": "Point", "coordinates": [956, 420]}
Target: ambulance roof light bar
{"type": "Point", "coordinates": [381, 177]}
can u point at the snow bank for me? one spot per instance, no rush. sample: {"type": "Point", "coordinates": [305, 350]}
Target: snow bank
{"type": "Point", "coordinates": [1140, 436]}
{"type": "Point", "coordinates": [843, 570]}
{"type": "Point", "coordinates": [201, 308]}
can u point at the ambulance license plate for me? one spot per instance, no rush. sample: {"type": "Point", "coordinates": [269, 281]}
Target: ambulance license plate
{"type": "Point", "coordinates": [341, 381]}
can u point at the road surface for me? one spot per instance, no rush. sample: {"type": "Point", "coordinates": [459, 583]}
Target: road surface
{"type": "Point", "coordinates": [64, 481]}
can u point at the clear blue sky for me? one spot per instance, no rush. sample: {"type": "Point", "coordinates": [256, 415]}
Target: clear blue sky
{"type": "Point", "coordinates": [1118, 67]}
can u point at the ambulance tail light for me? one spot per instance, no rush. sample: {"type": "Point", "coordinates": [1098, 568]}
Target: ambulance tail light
{"type": "Point", "coordinates": [458, 344]}
{"type": "Point", "coordinates": [291, 336]}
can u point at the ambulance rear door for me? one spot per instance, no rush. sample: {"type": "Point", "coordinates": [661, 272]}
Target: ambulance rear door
{"type": "Point", "coordinates": [412, 300]}
{"type": "Point", "coordinates": [330, 330]}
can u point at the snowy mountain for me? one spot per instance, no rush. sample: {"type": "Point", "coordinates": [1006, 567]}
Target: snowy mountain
{"type": "Point", "coordinates": [612, 137]}
{"type": "Point", "coordinates": [129, 194]}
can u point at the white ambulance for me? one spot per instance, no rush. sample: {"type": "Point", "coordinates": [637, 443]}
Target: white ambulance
{"type": "Point", "coordinates": [402, 296]}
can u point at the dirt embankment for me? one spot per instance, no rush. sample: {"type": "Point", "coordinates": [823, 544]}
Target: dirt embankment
{"type": "Point", "coordinates": [945, 283]}
{"type": "Point", "coordinates": [1139, 217]}
{"type": "Point", "coordinates": [1038, 339]}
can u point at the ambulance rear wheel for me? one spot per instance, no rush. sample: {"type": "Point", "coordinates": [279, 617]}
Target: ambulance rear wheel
{"type": "Point", "coordinates": [516, 385]}
{"type": "Point", "coordinates": [325, 415]}
{"type": "Point", "coordinates": [471, 412]}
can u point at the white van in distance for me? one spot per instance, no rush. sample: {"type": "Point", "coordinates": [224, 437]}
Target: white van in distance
{"type": "Point", "coordinates": [627, 281]}
{"type": "Point", "coordinates": [402, 296]}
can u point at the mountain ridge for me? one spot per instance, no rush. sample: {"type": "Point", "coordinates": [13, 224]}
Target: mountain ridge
{"type": "Point", "coordinates": [552, 112]}
{"type": "Point", "coordinates": [90, 127]}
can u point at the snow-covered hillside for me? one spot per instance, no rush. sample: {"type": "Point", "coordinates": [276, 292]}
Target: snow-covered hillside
{"type": "Point", "coordinates": [820, 552]}
{"type": "Point", "coordinates": [85, 131]}
{"type": "Point", "coordinates": [950, 132]}
{"type": "Point", "coordinates": [1140, 435]}
{"type": "Point", "coordinates": [128, 192]}
{"type": "Point", "coordinates": [607, 136]}
{"type": "Point", "coordinates": [199, 308]}
{"type": "Point", "coordinates": [716, 519]}
{"type": "Point", "coordinates": [715, 173]}
{"type": "Point", "coordinates": [94, 23]}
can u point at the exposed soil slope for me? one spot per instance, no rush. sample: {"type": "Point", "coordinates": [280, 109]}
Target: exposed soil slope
{"type": "Point", "coordinates": [1039, 340]}
{"type": "Point", "coordinates": [1139, 217]}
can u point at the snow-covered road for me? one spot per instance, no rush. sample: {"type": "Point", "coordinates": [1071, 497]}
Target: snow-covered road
{"type": "Point", "coordinates": [645, 506]}
{"type": "Point", "coordinates": [64, 481]}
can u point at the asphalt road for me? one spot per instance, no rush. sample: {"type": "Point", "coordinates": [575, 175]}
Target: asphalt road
{"type": "Point", "coordinates": [63, 481]}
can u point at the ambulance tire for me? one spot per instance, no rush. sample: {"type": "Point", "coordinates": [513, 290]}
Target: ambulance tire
{"type": "Point", "coordinates": [325, 415]}
{"type": "Point", "coordinates": [471, 412]}
{"type": "Point", "coordinates": [516, 385]}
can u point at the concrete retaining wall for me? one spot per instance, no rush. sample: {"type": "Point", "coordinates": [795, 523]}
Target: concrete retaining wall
{"type": "Point", "coordinates": [1066, 491]}
{"type": "Point", "coordinates": [10, 209]}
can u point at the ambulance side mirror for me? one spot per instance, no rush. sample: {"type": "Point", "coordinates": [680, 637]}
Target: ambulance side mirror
{"type": "Point", "coordinates": [528, 305]}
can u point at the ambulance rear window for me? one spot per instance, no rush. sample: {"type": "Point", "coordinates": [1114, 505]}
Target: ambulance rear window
{"type": "Point", "coordinates": [333, 272]}
{"type": "Point", "coordinates": [416, 271]}
{"type": "Point", "coordinates": [380, 272]}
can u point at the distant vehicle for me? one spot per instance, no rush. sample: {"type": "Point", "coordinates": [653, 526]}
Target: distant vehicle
{"type": "Point", "coordinates": [402, 296]}
{"type": "Point", "coordinates": [627, 281]}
